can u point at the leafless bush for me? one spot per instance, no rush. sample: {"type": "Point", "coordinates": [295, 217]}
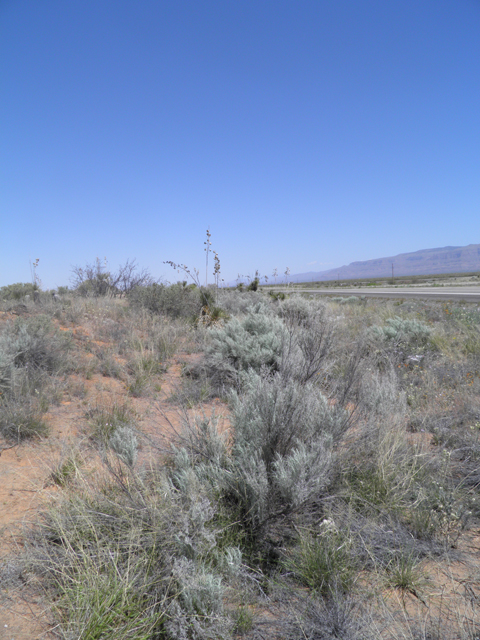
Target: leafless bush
{"type": "Point", "coordinates": [96, 280]}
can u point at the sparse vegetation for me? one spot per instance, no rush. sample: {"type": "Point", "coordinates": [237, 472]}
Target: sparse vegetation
{"type": "Point", "coordinates": [348, 469]}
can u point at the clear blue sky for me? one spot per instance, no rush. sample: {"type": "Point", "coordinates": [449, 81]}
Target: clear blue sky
{"type": "Point", "coordinates": [306, 134]}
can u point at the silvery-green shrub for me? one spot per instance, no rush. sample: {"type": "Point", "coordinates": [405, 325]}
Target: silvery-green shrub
{"type": "Point", "coordinates": [35, 343]}
{"type": "Point", "coordinates": [381, 396]}
{"type": "Point", "coordinates": [403, 332]}
{"type": "Point", "coordinates": [282, 447]}
{"type": "Point", "coordinates": [7, 371]}
{"type": "Point", "coordinates": [304, 472]}
{"type": "Point", "coordinates": [238, 303]}
{"type": "Point", "coordinates": [308, 338]}
{"type": "Point", "coordinates": [125, 444]}
{"type": "Point", "coordinates": [273, 414]}
{"type": "Point", "coordinates": [252, 342]}
{"type": "Point", "coordinates": [281, 454]}
{"type": "Point", "coordinates": [197, 612]}
{"type": "Point", "coordinates": [298, 309]}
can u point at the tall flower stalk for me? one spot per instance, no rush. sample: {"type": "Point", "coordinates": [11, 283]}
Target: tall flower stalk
{"type": "Point", "coordinates": [207, 244]}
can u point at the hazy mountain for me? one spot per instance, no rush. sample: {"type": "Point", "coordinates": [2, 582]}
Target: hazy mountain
{"type": "Point", "coordinates": [427, 261]}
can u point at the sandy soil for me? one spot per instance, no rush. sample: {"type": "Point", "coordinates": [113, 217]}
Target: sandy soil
{"type": "Point", "coordinates": [452, 591]}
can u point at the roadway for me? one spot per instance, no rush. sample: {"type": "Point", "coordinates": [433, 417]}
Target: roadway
{"type": "Point", "coordinates": [465, 293]}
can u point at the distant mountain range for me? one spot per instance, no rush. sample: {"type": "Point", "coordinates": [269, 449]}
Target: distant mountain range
{"type": "Point", "coordinates": [427, 261]}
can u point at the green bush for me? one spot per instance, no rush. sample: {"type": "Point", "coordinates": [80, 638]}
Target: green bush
{"type": "Point", "coordinates": [324, 562]}
{"type": "Point", "coordinates": [176, 300]}
{"type": "Point", "coordinates": [17, 291]}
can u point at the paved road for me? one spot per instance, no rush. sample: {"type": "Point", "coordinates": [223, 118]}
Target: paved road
{"type": "Point", "coordinates": [467, 293]}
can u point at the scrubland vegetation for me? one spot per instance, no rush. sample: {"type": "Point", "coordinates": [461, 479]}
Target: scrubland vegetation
{"type": "Point", "coordinates": [349, 473]}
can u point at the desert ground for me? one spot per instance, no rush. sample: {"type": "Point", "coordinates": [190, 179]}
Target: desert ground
{"type": "Point", "coordinates": [139, 497]}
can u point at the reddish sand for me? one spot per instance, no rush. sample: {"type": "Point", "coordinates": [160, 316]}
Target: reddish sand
{"type": "Point", "coordinates": [25, 482]}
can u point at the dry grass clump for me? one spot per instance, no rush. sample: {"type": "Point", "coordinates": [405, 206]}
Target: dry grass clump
{"type": "Point", "coordinates": [104, 419]}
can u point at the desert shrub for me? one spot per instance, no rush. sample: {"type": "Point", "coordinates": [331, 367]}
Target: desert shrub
{"type": "Point", "coordinates": [176, 301]}
{"type": "Point", "coordinates": [197, 612]}
{"type": "Point", "coordinates": [354, 300]}
{"type": "Point", "coordinates": [253, 342]}
{"type": "Point", "coordinates": [401, 332]}
{"type": "Point", "coordinates": [17, 291]}
{"type": "Point", "coordinates": [273, 415]}
{"type": "Point", "coordinates": [253, 286]}
{"type": "Point", "coordinates": [401, 342]}
{"type": "Point", "coordinates": [298, 309]}
{"type": "Point", "coordinates": [381, 396]}
{"type": "Point", "coordinates": [441, 511]}
{"type": "Point", "coordinates": [195, 388]}
{"type": "Point", "coordinates": [112, 330]}
{"type": "Point", "coordinates": [35, 343]}
{"type": "Point", "coordinates": [308, 338]}
{"type": "Point", "coordinates": [236, 302]}
{"type": "Point", "coordinates": [97, 280]}
{"type": "Point", "coordinates": [211, 316]}
{"type": "Point", "coordinates": [125, 444]}
{"type": "Point", "coordinates": [128, 277]}
{"type": "Point", "coordinates": [469, 316]}
{"type": "Point", "coordinates": [107, 365]}
{"type": "Point", "coordinates": [461, 440]}
{"type": "Point", "coordinates": [7, 371]}
{"type": "Point", "coordinates": [30, 350]}
{"type": "Point", "coordinates": [91, 280]}
{"type": "Point", "coordinates": [279, 460]}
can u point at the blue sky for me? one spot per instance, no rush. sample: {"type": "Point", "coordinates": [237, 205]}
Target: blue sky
{"type": "Point", "coordinates": [306, 134]}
